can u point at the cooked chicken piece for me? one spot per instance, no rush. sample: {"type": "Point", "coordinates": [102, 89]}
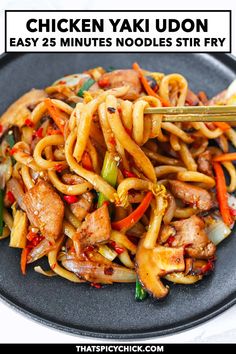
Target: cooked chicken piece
{"type": "Point", "coordinates": [95, 229]}
{"type": "Point", "coordinates": [83, 206]}
{"type": "Point", "coordinates": [204, 163]}
{"type": "Point", "coordinates": [190, 233]}
{"type": "Point", "coordinates": [118, 78]}
{"type": "Point", "coordinates": [18, 112]}
{"type": "Point", "coordinates": [44, 209]}
{"type": "Point", "coordinates": [193, 195]}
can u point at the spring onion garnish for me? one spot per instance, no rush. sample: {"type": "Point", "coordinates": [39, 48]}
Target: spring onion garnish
{"type": "Point", "coordinates": [10, 139]}
{"type": "Point", "coordinates": [85, 87]}
{"type": "Point", "coordinates": [140, 293]}
{"type": "Point", "coordinates": [109, 173]}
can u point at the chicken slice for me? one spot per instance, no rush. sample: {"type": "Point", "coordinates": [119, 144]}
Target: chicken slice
{"type": "Point", "coordinates": [204, 163]}
{"type": "Point", "coordinates": [95, 229]}
{"type": "Point", "coordinates": [193, 195]}
{"type": "Point", "coordinates": [44, 209]}
{"type": "Point", "coordinates": [118, 78]}
{"type": "Point", "coordinates": [190, 233]}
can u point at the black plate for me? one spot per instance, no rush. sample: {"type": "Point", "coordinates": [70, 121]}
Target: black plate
{"type": "Point", "coordinates": [111, 312]}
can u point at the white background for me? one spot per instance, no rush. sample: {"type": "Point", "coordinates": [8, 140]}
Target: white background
{"type": "Point", "coordinates": [16, 328]}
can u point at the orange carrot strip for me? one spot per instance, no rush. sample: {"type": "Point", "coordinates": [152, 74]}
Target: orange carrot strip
{"type": "Point", "coordinates": [148, 89]}
{"type": "Point", "coordinates": [225, 157]}
{"type": "Point", "coordinates": [57, 115]}
{"type": "Point", "coordinates": [134, 217]}
{"type": "Point", "coordinates": [222, 125]}
{"type": "Point", "coordinates": [23, 259]}
{"type": "Point", "coordinates": [221, 194]}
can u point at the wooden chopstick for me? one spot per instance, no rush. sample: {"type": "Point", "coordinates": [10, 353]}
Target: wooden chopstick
{"type": "Point", "coordinates": [195, 114]}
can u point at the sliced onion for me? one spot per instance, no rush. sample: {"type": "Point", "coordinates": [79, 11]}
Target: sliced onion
{"type": "Point", "coordinates": [40, 250]}
{"type": "Point", "coordinates": [231, 201]}
{"type": "Point", "coordinates": [71, 80]}
{"type": "Point", "coordinates": [47, 273]}
{"type": "Point", "coordinates": [218, 231]}
{"type": "Point", "coordinates": [15, 187]}
{"type": "Point", "coordinates": [96, 272]}
{"type": "Point", "coordinates": [5, 171]}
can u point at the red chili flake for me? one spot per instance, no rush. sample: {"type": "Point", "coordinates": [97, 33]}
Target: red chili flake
{"type": "Point", "coordinates": [112, 141]}
{"type": "Point", "coordinates": [59, 167]}
{"type": "Point", "coordinates": [106, 202]}
{"type": "Point", "coordinates": [116, 248]}
{"type": "Point", "coordinates": [96, 285]}
{"type": "Point", "coordinates": [31, 235]}
{"type": "Point", "coordinates": [39, 133]}
{"type": "Point", "coordinates": [13, 151]}
{"type": "Point", "coordinates": [170, 240]}
{"type": "Point", "coordinates": [10, 197]}
{"type": "Point", "coordinates": [29, 123]}
{"type": "Point", "coordinates": [53, 266]}
{"type": "Point", "coordinates": [119, 250]}
{"type": "Point", "coordinates": [128, 174]}
{"type": "Point", "coordinates": [1, 128]}
{"type": "Point", "coordinates": [70, 199]}
{"type": "Point", "coordinates": [61, 82]}
{"type": "Point", "coordinates": [232, 211]}
{"type": "Point", "coordinates": [37, 240]}
{"type": "Point", "coordinates": [119, 109]}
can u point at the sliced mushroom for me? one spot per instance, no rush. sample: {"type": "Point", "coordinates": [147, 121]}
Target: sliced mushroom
{"type": "Point", "coordinates": [152, 264]}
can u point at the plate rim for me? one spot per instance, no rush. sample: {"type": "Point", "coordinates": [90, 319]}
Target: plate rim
{"type": "Point", "coordinates": [228, 60]}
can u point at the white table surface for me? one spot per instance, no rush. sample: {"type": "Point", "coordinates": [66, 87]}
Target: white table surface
{"type": "Point", "coordinates": [16, 327]}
